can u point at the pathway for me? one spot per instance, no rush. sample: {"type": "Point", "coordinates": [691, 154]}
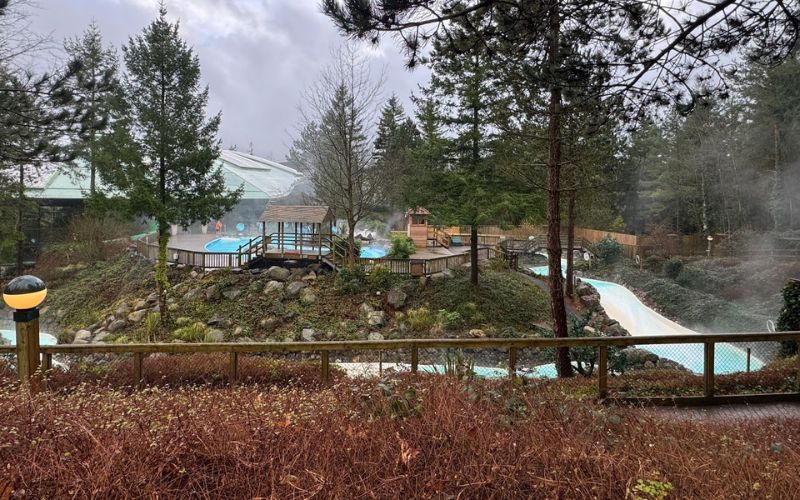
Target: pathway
{"type": "Point", "coordinates": [730, 413]}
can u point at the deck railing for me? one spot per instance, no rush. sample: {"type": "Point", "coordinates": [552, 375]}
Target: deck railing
{"type": "Point", "coordinates": [513, 347]}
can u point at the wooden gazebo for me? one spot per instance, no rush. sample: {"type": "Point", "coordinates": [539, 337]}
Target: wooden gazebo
{"type": "Point", "coordinates": [298, 229]}
{"type": "Point", "coordinates": [417, 225]}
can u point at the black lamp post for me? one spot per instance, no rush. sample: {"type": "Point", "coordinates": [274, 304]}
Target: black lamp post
{"type": "Point", "coordinates": [24, 294]}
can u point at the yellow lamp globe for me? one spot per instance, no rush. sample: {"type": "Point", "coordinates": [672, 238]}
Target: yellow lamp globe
{"type": "Point", "coordinates": [24, 292]}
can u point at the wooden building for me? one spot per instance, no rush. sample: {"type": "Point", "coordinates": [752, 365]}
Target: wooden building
{"type": "Point", "coordinates": [417, 225]}
{"type": "Point", "coordinates": [297, 229]}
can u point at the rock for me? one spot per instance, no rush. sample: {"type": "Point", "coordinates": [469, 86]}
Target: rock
{"type": "Point", "coordinates": [308, 334]}
{"type": "Point", "coordinates": [237, 331]}
{"type": "Point", "coordinates": [100, 336]}
{"type": "Point", "coordinates": [293, 289]}
{"type": "Point", "coordinates": [289, 316]}
{"type": "Point", "coordinates": [193, 274]}
{"type": "Point", "coordinates": [256, 271]}
{"type": "Point", "coordinates": [218, 322]}
{"type": "Point", "coordinates": [374, 336]}
{"type": "Point", "coordinates": [307, 297]}
{"type": "Point", "coordinates": [396, 298]}
{"type": "Point", "coordinates": [288, 338]}
{"type": "Point", "coordinates": [448, 273]}
{"type": "Point", "coordinates": [139, 305]}
{"type": "Point", "coordinates": [636, 357]}
{"type": "Point", "coordinates": [213, 292]}
{"type": "Point", "coordinates": [477, 333]}
{"type": "Point", "coordinates": [365, 308]}
{"type": "Point", "coordinates": [137, 316]}
{"type": "Point", "coordinates": [585, 289]}
{"type": "Point", "coordinates": [122, 310]}
{"type": "Point", "coordinates": [311, 276]}
{"type": "Point", "coordinates": [649, 364]}
{"type": "Point", "coordinates": [243, 340]}
{"type": "Point", "coordinates": [269, 324]}
{"type": "Point", "coordinates": [273, 287]}
{"type": "Point", "coordinates": [82, 337]}
{"type": "Point", "coordinates": [193, 294]}
{"type": "Point", "coordinates": [117, 325]}
{"type": "Point", "coordinates": [376, 318]}
{"type": "Point", "coordinates": [278, 273]}
{"type": "Point", "coordinates": [215, 335]}
{"type": "Point", "coordinates": [232, 294]}
{"type": "Point", "coordinates": [591, 301]}
{"type": "Point", "coordinates": [93, 326]}
{"type": "Point", "coordinates": [152, 298]}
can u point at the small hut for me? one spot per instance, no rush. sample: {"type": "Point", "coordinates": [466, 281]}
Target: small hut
{"type": "Point", "coordinates": [297, 229]}
{"type": "Point", "coordinates": [417, 225]}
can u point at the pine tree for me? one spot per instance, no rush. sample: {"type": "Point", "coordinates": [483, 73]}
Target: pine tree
{"type": "Point", "coordinates": [162, 153]}
{"type": "Point", "coordinates": [95, 89]}
{"type": "Point", "coordinates": [395, 139]}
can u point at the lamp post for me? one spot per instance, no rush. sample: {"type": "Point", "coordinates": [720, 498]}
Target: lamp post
{"type": "Point", "coordinates": [24, 294]}
{"type": "Point", "coordinates": [708, 250]}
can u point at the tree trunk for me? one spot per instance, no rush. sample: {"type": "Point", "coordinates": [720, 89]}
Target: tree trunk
{"type": "Point", "coordinates": [162, 282]}
{"type": "Point", "coordinates": [351, 241]}
{"type": "Point", "coordinates": [571, 245]}
{"type": "Point", "coordinates": [20, 268]}
{"type": "Point", "coordinates": [557, 308]}
{"type": "Point", "coordinates": [775, 186]}
{"type": "Point", "coordinates": [473, 254]}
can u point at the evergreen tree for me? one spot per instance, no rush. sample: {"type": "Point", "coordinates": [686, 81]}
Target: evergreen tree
{"type": "Point", "coordinates": [95, 89]}
{"type": "Point", "coordinates": [395, 138]}
{"type": "Point", "coordinates": [162, 153]}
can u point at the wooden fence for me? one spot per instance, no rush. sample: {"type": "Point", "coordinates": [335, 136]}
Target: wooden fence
{"type": "Point", "coordinates": [204, 260]}
{"type": "Point", "coordinates": [426, 267]}
{"type": "Point", "coordinates": [513, 346]}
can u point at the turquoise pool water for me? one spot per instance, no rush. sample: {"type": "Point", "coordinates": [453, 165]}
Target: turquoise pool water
{"type": "Point", "coordinates": [228, 244]}
{"type": "Point", "coordinates": [10, 337]}
{"type": "Point", "coordinates": [542, 371]}
{"type": "Point", "coordinates": [622, 305]}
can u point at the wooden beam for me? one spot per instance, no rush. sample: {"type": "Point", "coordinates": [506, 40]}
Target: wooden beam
{"type": "Point", "coordinates": [708, 369]}
{"type": "Point", "coordinates": [512, 363]}
{"type": "Point", "coordinates": [414, 359]}
{"type": "Point", "coordinates": [138, 361]}
{"type": "Point", "coordinates": [27, 350]}
{"type": "Point", "coordinates": [233, 367]}
{"type": "Point", "coordinates": [326, 367]}
{"type": "Point", "coordinates": [602, 373]}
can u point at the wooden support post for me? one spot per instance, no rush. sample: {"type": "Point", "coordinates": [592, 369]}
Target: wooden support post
{"type": "Point", "coordinates": [602, 373]}
{"type": "Point", "coordinates": [380, 363]}
{"type": "Point", "coordinates": [512, 363]}
{"type": "Point", "coordinates": [326, 367]}
{"type": "Point", "coordinates": [47, 362]}
{"type": "Point", "coordinates": [138, 361]}
{"type": "Point", "coordinates": [28, 349]}
{"type": "Point", "coordinates": [233, 367]}
{"type": "Point", "coordinates": [414, 359]}
{"type": "Point", "coordinates": [708, 369]}
{"type": "Point", "coordinates": [748, 359]}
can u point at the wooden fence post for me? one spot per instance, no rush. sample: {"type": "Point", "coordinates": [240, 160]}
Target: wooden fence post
{"type": "Point", "coordinates": [602, 373]}
{"type": "Point", "coordinates": [138, 361]}
{"type": "Point", "coordinates": [325, 368]}
{"type": "Point", "coordinates": [28, 349]}
{"type": "Point", "coordinates": [512, 363]}
{"type": "Point", "coordinates": [708, 369]}
{"type": "Point", "coordinates": [414, 359]}
{"type": "Point", "coordinates": [233, 367]}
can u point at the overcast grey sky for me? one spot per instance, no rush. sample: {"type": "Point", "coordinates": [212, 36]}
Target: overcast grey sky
{"type": "Point", "coordinates": [257, 56]}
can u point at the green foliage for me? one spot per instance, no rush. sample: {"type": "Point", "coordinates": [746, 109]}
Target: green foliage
{"type": "Point", "coordinates": [350, 280]}
{"type": "Point", "coordinates": [151, 323]}
{"type": "Point", "coordinates": [196, 332]}
{"type": "Point", "coordinates": [402, 247]}
{"type": "Point", "coordinates": [608, 250]}
{"type": "Point", "coordinates": [673, 268]}
{"type": "Point", "coordinates": [389, 399]}
{"type": "Point", "coordinates": [789, 318]}
{"type": "Point", "coordinates": [510, 332]}
{"type": "Point", "coordinates": [459, 365]}
{"type": "Point", "coordinates": [654, 263]}
{"type": "Point", "coordinates": [650, 490]}
{"type": "Point", "coordinates": [420, 319]}
{"type": "Point", "coordinates": [449, 320]}
{"type": "Point", "coordinates": [380, 278]}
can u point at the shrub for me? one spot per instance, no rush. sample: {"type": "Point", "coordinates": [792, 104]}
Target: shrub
{"type": "Point", "coordinates": [497, 264]}
{"type": "Point", "coordinates": [654, 263]}
{"type": "Point", "coordinates": [673, 267]}
{"type": "Point", "coordinates": [691, 278]}
{"type": "Point", "coordinates": [196, 332]}
{"type": "Point", "coordinates": [450, 320]}
{"type": "Point", "coordinates": [380, 277]}
{"type": "Point", "coordinates": [420, 319]}
{"type": "Point", "coordinates": [789, 318]}
{"type": "Point", "coordinates": [608, 250]}
{"type": "Point", "coordinates": [401, 247]}
{"type": "Point", "coordinates": [350, 280]}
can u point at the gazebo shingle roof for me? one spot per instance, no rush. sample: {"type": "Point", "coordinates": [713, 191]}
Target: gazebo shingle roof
{"type": "Point", "coordinates": [297, 213]}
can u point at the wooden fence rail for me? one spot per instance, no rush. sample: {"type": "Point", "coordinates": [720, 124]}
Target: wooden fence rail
{"type": "Point", "coordinates": [513, 346]}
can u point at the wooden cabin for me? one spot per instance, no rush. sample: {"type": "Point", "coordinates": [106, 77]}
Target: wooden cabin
{"type": "Point", "coordinates": [417, 225]}
{"type": "Point", "coordinates": [301, 230]}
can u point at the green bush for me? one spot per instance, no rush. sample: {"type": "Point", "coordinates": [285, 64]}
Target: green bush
{"type": "Point", "coordinates": [402, 247]}
{"type": "Point", "coordinates": [789, 318]}
{"type": "Point", "coordinates": [196, 332]}
{"type": "Point", "coordinates": [350, 280]}
{"type": "Point", "coordinates": [691, 278]}
{"type": "Point", "coordinates": [380, 278]}
{"type": "Point", "coordinates": [420, 319]}
{"type": "Point", "coordinates": [673, 267]}
{"type": "Point", "coordinates": [654, 263]}
{"type": "Point", "coordinates": [450, 320]}
{"type": "Point", "coordinates": [608, 250]}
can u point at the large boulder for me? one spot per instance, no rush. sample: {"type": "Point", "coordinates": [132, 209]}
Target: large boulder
{"type": "Point", "coordinates": [311, 276]}
{"type": "Point", "coordinates": [193, 294]}
{"type": "Point", "coordinates": [219, 322]}
{"type": "Point", "coordinates": [273, 287]}
{"type": "Point", "coordinates": [152, 298]}
{"type": "Point", "coordinates": [365, 308]}
{"type": "Point", "coordinates": [376, 318]}
{"type": "Point", "coordinates": [308, 334]}
{"type": "Point", "coordinates": [396, 298]}
{"type": "Point", "coordinates": [215, 335]}
{"type": "Point", "coordinates": [591, 301]}
{"type": "Point", "coordinates": [293, 289]}
{"type": "Point", "coordinates": [307, 297]}
{"type": "Point", "coordinates": [213, 292]}
{"type": "Point", "coordinates": [636, 358]}
{"type": "Point", "coordinates": [100, 337]}
{"type": "Point", "coordinates": [82, 337]}
{"type": "Point", "coordinates": [137, 316]}
{"type": "Point", "coordinates": [585, 289]}
{"type": "Point", "coordinates": [232, 294]}
{"type": "Point", "coordinates": [269, 324]}
{"type": "Point", "coordinates": [122, 310]}
{"type": "Point", "coordinates": [374, 336]}
{"type": "Point", "coordinates": [140, 304]}
{"type": "Point", "coordinates": [278, 273]}
{"type": "Point", "coordinates": [117, 325]}
{"type": "Point", "coordinates": [477, 333]}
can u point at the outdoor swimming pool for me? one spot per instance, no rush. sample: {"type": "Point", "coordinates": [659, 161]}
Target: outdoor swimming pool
{"type": "Point", "coordinates": [10, 337]}
{"type": "Point", "coordinates": [622, 305]}
{"type": "Point", "coordinates": [227, 244]}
